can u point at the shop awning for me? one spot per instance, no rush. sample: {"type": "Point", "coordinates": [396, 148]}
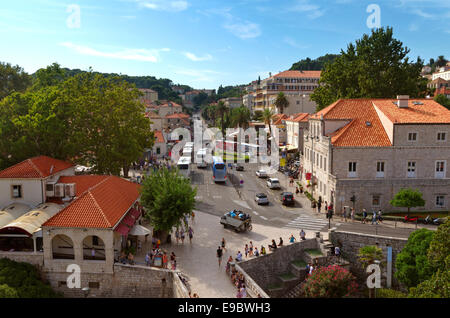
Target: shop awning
{"type": "Point", "coordinates": [129, 220]}
{"type": "Point", "coordinates": [122, 229]}
{"type": "Point", "coordinates": [139, 230]}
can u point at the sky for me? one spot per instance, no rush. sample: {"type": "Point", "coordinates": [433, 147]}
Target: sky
{"type": "Point", "coordinates": [207, 43]}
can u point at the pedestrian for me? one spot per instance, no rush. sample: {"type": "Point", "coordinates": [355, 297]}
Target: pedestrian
{"type": "Point", "coordinates": [374, 218]}
{"type": "Point", "coordinates": [263, 250]}
{"type": "Point", "coordinates": [281, 242]}
{"type": "Point", "coordinates": [273, 246]}
{"type": "Point", "coordinates": [243, 292]}
{"type": "Point", "coordinates": [158, 243]}
{"type": "Point", "coordinates": [193, 217]}
{"type": "Point", "coordinates": [337, 252]}
{"type": "Point", "coordinates": [147, 259]}
{"type": "Point", "coordinates": [352, 214]}
{"type": "Point", "coordinates": [250, 249]}
{"type": "Point", "coordinates": [239, 256]}
{"type": "Point", "coordinates": [256, 252]}
{"type": "Point", "coordinates": [177, 235]}
{"type": "Point", "coordinates": [319, 204]}
{"type": "Point", "coordinates": [93, 253]}
{"type": "Point", "coordinates": [307, 268]}
{"type": "Point", "coordinates": [292, 239]}
{"type": "Point", "coordinates": [219, 255]}
{"type": "Point", "coordinates": [228, 266]}
{"type": "Point", "coordinates": [223, 243]}
{"type": "Point", "coordinates": [326, 206]}
{"type": "Point", "coordinates": [246, 250]}
{"type": "Point", "coordinates": [364, 216]}
{"type": "Point", "coordinates": [165, 260]}
{"type": "Point", "coordinates": [302, 235]}
{"type": "Point", "coordinates": [344, 214]}
{"type": "Point", "coordinates": [297, 191]}
{"type": "Point", "coordinates": [191, 234]}
{"type": "Point", "coordinates": [182, 235]}
{"type": "Point", "coordinates": [174, 265]}
{"type": "Point", "coordinates": [380, 218]}
{"type": "Point", "coordinates": [139, 246]}
{"type": "Point", "coordinates": [311, 268]}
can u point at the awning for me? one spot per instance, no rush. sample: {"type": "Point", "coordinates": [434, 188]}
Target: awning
{"type": "Point", "coordinates": [122, 229]}
{"type": "Point", "coordinates": [288, 147]}
{"type": "Point", "coordinates": [128, 220]}
{"type": "Point", "coordinates": [135, 213]}
{"type": "Point", "coordinates": [139, 230]}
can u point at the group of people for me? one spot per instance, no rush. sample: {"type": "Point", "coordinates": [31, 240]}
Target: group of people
{"type": "Point", "coordinates": [180, 234]}
{"type": "Point", "coordinates": [376, 217]}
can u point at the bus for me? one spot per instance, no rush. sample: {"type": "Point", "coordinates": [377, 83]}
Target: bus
{"type": "Point", "coordinates": [219, 170]}
{"type": "Point", "coordinates": [187, 152]}
{"type": "Point", "coordinates": [184, 166]}
{"type": "Point", "coordinates": [189, 144]}
{"type": "Point", "coordinates": [201, 162]}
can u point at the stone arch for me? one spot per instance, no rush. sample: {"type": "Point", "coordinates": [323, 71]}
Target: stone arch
{"type": "Point", "coordinates": [93, 248]}
{"type": "Point", "coordinates": [62, 247]}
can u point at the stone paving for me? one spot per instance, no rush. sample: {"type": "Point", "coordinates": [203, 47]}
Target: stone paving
{"type": "Point", "coordinates": [199, 262]}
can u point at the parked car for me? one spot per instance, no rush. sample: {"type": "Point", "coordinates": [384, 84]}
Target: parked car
{"type": "Point", "coordinates": [297, 163]}
{"type": "Point", "coordinates": [287, 198]}
{"type": "Point", "coordinates": [261, 173]}
{"type": "Point", "coordinates": [238, 167]}
{"type": "Point", "coordinates": [261, 198]}
{"type": "Point", "coordinates": [273, 183]}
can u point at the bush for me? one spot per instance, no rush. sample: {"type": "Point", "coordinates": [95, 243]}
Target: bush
{"type": "Point", "coordinates": [22, 280]}
{"type": "Point", "coordinates": [390, 293]}
{"type": "Point", "coordinates": [330, 282]}
{"type": "Point", "coordinates": [436, 287]}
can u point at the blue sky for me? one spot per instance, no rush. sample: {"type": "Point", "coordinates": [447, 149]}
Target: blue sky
{"type": "Point", "coordinates": [206, 43]}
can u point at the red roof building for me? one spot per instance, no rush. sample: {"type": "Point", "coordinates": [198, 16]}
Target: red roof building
{"type": "Point", "coordinates": [35, 168]}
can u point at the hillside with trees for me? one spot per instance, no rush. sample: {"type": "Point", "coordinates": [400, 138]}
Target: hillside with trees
{"type": "Point", "coordinates": [317, 64]}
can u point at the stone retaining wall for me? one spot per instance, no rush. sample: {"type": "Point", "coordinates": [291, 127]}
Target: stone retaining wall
{"type": "Point", "coordinates": [36, 259]}
{"type": "Point", "coordinates": [350, 244]}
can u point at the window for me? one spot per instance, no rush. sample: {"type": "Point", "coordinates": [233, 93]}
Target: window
{"type": "Point", "coordinates": [158, 151]}
{"type": "Point", "coordinates": [440, 169]}
{"type": "Point", "coordinates": [376, 200]}
{"type": "Point", "coordinates": [325, 163]}
{"type": "Point", "coordinates": [411, 169]}
{"type": "Point", "coordinates": [352, 169]}
{"type": "Point", "coordinates": [380, 169]}
{"type": "Point", "coordinates": [440, 201]}
{"type": "Point", "coordinates": [95, 240]}
{"type": "Point", "coordinates": [16, 191]}
{"type": "Point", "coordinates": [94, 285]}
{"type": "Point", "coordinates": [441, 136]}
{"type": "Point", "coordinates": [412, 136]}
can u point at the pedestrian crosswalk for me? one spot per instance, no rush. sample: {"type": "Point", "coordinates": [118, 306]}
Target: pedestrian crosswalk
{"type": "Point", "coordinates": [306, 222]}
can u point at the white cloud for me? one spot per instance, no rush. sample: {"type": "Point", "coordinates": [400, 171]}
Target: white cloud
{"type": "Point", "coordinates": [196, 58]}
{"type": "Point", "coordinates": [423, 14]}
{"type": "Point", "coordinates": [164, 5]}
{"type": "Point", "coordinates": [293, 43]}
{"type": "Point", "coordinates": [142, 55]}
{"type": "Point", "coordinates": [304, 6]}
{"type": "Point", "coordinates": [243, 30]}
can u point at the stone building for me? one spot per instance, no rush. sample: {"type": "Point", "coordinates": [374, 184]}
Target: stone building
{"type": "Point", "coordinates": [371, 148]}
{"type": "Point", "coordinates": [295, 125]}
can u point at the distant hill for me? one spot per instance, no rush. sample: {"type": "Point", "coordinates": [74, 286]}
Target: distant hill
{"type": "Point", "coordinates": [313, 65]}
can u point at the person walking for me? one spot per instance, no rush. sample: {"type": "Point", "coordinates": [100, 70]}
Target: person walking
{"type": "Point", "coordinates": [243, 292]}
{"type": "Point", "coordinates": [302, 235]}
{"type": "Point", "coordinates": [344, 214]}
{"type": "Point", "coordinates": [319, 204]}
{"type": "Point", "coordinates": [219, 255]}
{"type": "Point", "coordinates": [246, 250]}
{"type": "Point", "coordinates": [177, 235]}
{"type": "Point", "coordinates": [250, 249]}
{"type": "Point", "coordinates": [193, 217]}
{"type": "Point", "coordinates": [326, 206]}
{"type": "Point", "coordinates": [147, 259]}
{"type": "Point", "coordinates": [364, 216]}
{"type": "Point", "coordinates": [380, 218]}
{"type": "Point", "coordinates": [337, 252]}
{"type": "Point", "coordinates": [223, 243]}
{"type": "Point", "coordinates": [352, 215]}
{"type": "Point", "coordinates": [374, 218]}
{"type": "Point", "coordinates": [228, 266]}
{"type": "Point", "coordinates": [191, 234]}
{"type": "Point", "coordinates": [182, 235]}
{"type": "Point", "coordinates": [165, 260]}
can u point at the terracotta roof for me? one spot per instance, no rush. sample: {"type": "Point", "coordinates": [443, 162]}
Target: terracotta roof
{"type": "Point", "coordinates": [166, 104]}
{"type": "Point", "coordinates": [37, 167]}
{"type": "Point", "coordinates": [152, 114]}
{"type": "Point", "coordinates": [429, 112]}
{"type": "Point", "coordinates": [178, 115]}
{"type": "Point", "coordinates": [299, 74]}
{"type": "Point", "coordinates": [363, 128]}
{"type": "Point", "coordinates": [104, 202]}
{"type": "Point", "coordinates": [299, 117]}
{"type": "Point", "coordinates": [278, 118]}
{"type": "Point", "coordinates": [159, 137]}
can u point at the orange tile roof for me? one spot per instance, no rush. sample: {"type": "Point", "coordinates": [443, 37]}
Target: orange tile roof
{"type": "Point", "coordinates": [159, 137]}
{"type": "Point", "coordinates": [152, 114]}
{"type": "Point", "coordinates": [104, 202]}
{"type": "Point", "coordinates": [37, 167]}
{"type": "Point", "coordinates": [299, 117]}
{"type": "Point", "coordinates": [178, 115]}
{"type": "Point", "coordinates": [299, 74]}
{"type": "Point", "coordinates": [356, 133]}
{"type": "Point", "coordinates": [166, 104]}
{"type": "Point", "coordinates": [430, 112]}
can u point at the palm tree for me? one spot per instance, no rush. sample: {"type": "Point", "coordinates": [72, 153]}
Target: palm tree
{"type": "Point", "coordinates": [221, 110]}
{"type": "Point", "coordinates": [212, 113]}
{"type": "Point", "coordinates": [240, 117]}
{"type": "Point", "coordinates": [281, 102]}
{"type": "Point", "coordinates": [267, 118]}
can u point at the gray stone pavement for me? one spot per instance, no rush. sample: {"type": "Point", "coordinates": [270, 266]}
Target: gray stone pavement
{"type": "Point", "coordinates": [199, 262]}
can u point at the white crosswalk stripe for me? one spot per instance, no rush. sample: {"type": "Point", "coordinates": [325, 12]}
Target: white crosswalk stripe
{"type": "Point", "coordinates": [307, 223]}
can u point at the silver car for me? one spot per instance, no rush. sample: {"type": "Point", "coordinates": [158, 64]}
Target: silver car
{"type": "Point", "coordinates": [273, 183]}
{"type": "Point", "coordinates": [261, 198]}
{"type": "Point", "coordinates": [261, 174]}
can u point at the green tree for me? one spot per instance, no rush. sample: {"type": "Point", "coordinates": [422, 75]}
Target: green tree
{"type": "Point", "coordinates": [267, 118]}
{"type": "Point", "coordinates": [412, 264]}
{"type": "Point", "coordinates": [50, 76]}
{"type": "Point", "coordinates": [12, 79]}
{"type": "Point", "coordinates": [443, 100]}
{"type": "Point", "coordinates": [408, 198]}
{"type": "Point", "coordinates": [376, 66]}
{"type": "Point", "coordinates": [7, 292]}
{"type": "Point", "coordinates": [439, 252]}
{"type": "Point", "coordinates": [281, 102]}
{"type": "Point", "coordinates": [222, 111]}
{"type": "Point", "coordinates": [257, 115]}
{"type": "Point", "coordinates": [240, 117]}
{"type": "Point", "coordinates": [438, 286]}
{"type": "Point", "coordinates": [167, 197]}
{"type": "Point", "coordinates": [369, 254]}
{"type": "Point", "coordinates": [441, 61]}
{"type": "Point", "coordinates": [317, 64]}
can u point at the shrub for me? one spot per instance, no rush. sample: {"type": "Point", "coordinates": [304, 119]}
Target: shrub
{"type": "Point", "coordinates": [436, 287]}
{"type": "Point", "coordinates": [330, 282]}
{"type": "Point", "coordinates": [7, 292]}
{"type": "Point", "coordinates": [390, 293]}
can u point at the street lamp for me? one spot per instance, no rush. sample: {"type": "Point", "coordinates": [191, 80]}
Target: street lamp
{"type": "Point", "coordinates": [85, 291]}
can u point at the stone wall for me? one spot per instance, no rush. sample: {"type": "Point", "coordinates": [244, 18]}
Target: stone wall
{"type": "Point", "coordinates": [27, 257]}
{"type": "Point", "coordinates": [264, 270]}
{"type": "Point", "coordinates": [350, 244]}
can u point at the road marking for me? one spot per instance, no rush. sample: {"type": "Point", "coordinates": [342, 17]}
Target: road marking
{"type": "Point", "coordinates": [217, 197]}
{"type": "Point", "coordinates": [256, 213]}
{"type": "Point", "coordinates": [262, 217]}
{"type": "Point", "coordinates": [242, 203]}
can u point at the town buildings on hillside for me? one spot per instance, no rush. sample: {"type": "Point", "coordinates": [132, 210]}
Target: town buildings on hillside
{"type": "Point", "coordinates": [371, 148]}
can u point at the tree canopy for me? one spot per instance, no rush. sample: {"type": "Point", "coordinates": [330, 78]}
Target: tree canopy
{"type": "Point", "coordinates": [443, 100]}
{"type": "Point", "coordinates": [317, 64]}
{"type": "Point", "coordinates": [281, 102]}
{"type": "Point", "coordinates": [167, 197]}
{"type": "Point", "coordinates": [376, 66]}
{"type": "Point", "coordinates": [12, 79]}
{"type": "Point", "coordinates": [88, 119]}
{"type": "Point", "coordinates": [408, 198]}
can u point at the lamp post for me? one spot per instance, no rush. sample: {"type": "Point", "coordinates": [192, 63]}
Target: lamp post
{"type": "Point", "coordinates": [85, 291]}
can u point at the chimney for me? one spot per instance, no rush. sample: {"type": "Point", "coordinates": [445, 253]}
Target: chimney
{"type": "Point", "coordinates": [402, 101]}
{"type": "Point", "coordinates": [270, 74]}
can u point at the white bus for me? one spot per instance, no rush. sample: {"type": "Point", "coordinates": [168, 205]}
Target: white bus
{"type": "Point", "coordinates": [184, 166]}
{"type": "Point", "coordinates": [189, 144]}
{"type": "Point", "coordinates": [201, 155]}
{"type": "Point", "coordinates": [219, 170]}
{"type": "Point", "coordinates": [187, 152]}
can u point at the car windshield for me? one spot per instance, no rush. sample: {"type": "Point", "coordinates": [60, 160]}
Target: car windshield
{"type": "Point", "coordinates": [274, 181]}
{"type": "Point", "coordinates": [220, 166]}
{"type": "Point", "coordinates": [288, 196]}
{"type": "Point", "coordinates": [261, 195]}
